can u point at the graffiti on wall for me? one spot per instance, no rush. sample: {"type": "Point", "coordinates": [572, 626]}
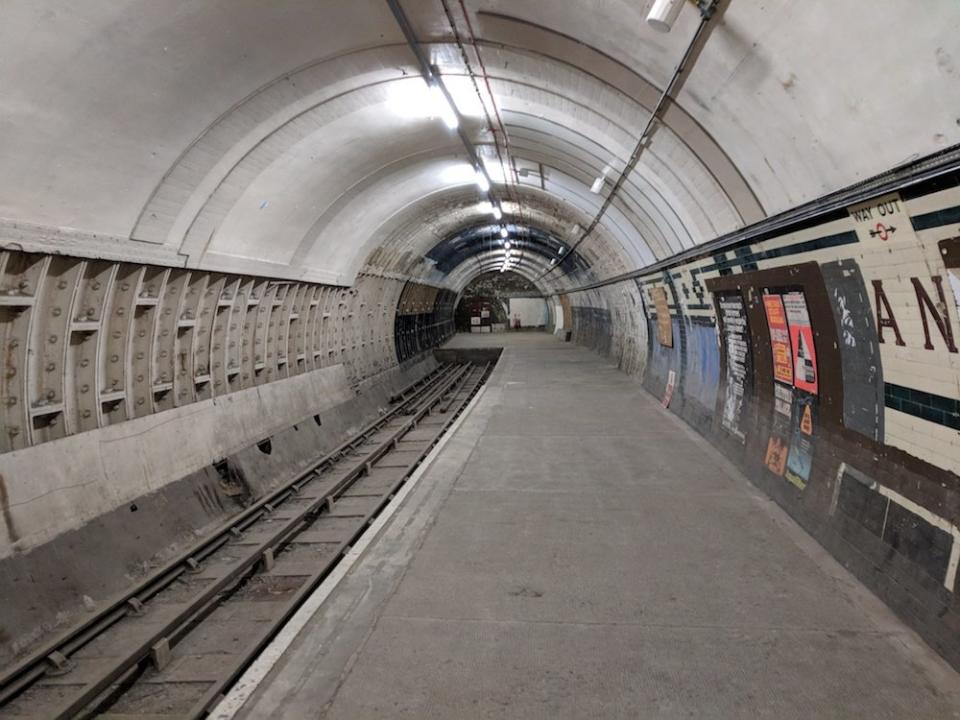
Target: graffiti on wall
{"type": "Point", "coordinates": [738, 375]}
{"type": "Point", "coordinates": [860, 365]}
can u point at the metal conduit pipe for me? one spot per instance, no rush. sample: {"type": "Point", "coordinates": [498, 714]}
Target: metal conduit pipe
{"type": "Point", "coordinates": [433, 79]}
{"type": "Point", "coordinates": [707, 11]}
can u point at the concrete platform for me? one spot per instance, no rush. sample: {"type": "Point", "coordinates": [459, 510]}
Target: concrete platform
{"type": "Point", "coordinates": [577, 552]}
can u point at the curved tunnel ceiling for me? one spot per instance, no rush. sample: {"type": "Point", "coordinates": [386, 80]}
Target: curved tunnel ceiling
{"type": "Point", "coordinates": [529, 251]}
{"type": "Point", "coordinates": [294, 139]}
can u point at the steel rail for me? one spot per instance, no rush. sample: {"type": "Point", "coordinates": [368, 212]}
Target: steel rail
{"type": "Point", "coordinates": [402, 394]}
{"type": "Point", "coordinates": [451, 396]}
{"type": "Point", "coordinates": [54, 655]}
{"type": "Point", "coordinates": [171, 633]}
{"type": "Point", "coordinates": [472, 381]}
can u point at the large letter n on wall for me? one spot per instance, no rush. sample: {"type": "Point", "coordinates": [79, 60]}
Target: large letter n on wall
{"type": "Point", "coordinates": [942, 321]}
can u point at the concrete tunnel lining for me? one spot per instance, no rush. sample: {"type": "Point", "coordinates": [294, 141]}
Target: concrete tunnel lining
{"type": "Point", "coordinates": [219, 222]}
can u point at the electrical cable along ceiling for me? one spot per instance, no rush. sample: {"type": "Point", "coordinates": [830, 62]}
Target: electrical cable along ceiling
{"type": "Point", "coordinates": [459, 87]}
{"type": "Point", "coordinates": [316, 141]}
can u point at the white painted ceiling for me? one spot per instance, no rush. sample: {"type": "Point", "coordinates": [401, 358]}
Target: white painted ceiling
{"type": "Point", "coordinates": [271, 137]}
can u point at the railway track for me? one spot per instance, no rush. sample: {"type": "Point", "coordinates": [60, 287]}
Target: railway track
{"type": "Point", "coordinates": [173, 645]}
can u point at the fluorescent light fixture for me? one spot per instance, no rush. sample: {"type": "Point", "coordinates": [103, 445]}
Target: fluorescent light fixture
{"type": "Point", "coordinates": [553, 261]}
{"type": "Point", "coordinates": [663, 14]}
{"type": "Point", "coordinates": [464, 95]}
{"type": "Point", "coordinates": [457, 174]}
{"type": "Point", "coordinates": [601, 178]}
{"type": "Point", "coordinates": [504, 233]}
{"type": "Point", "coordinates": [414, 98]}
{"type": "Point", "coordinates": [506, 245]}
{"type": "Point", "coordinates": [482, 182]}
{"type": "Point", "coordinates": [494, 169]}
{"type": "Point", "coordinates": [560, 251]}
{"type": "Point", "coordinates": [488, 206]}
{"type": "Point", "coordinates": [443, 108]}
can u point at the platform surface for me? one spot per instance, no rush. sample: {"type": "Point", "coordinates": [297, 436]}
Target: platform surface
{"type": "Point", "coordinates": [577, 552]}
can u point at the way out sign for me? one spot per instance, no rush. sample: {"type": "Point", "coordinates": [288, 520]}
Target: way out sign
{"type": "Point", "coordinates": [883, 223]}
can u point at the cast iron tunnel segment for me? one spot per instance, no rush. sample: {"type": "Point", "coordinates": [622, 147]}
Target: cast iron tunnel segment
{"type": "Point", "coordinates": [149, 652]}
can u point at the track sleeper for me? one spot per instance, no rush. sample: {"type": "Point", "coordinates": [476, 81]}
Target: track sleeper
{"type": "Point", "coordinates": [160, 654]}
{"type": "Point", "coordinates": [267, 560]}
{"type": "Point", "coordinates": [58, 664]}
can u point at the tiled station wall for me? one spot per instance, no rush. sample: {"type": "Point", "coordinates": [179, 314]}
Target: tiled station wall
{"type": "Point", "coordinates": [823, 360]}
{"type": "Point", "coordinates": [90, 343]}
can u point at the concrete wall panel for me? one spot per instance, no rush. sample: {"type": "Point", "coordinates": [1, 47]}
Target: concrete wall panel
{"type": "Point", "coordinates": [63, 484]}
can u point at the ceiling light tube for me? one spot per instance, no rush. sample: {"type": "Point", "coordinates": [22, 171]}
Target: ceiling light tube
{"type": "Point", "coordinates": [663, 14]}
{"type": "Point", "coordinates": [483, 182]}
{"type": "Point", "coordinates": [597, 186]}
{"type": "Point", "coordinates": [506, 245]}
{"type": "Point", "coordinates": [504, 233]}
{"type": "Point", "coordinates": [497, 212]}
{"type": "Point", "coordinates": [443, 107]}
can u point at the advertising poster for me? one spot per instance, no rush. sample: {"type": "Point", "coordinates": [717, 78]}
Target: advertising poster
{"type": "Point", "coordinates": [800, 458]}
{"type": "Point", "coordinates": [668, 393]}
{"type": "Point", "coordinates": [776, 458]}
{"type": "Point", "coordinates": [779, 339]}
{"type": "Point", "coordinates": [736, 345]}
{"type": "Point", "coordinates": [778, 445]}
{"type": "Point", "coordinates": [801, 341]}
{"type": "Point", "coordinates": [664, 323]}
{"type": "Point", "coordinates": [783, 400]}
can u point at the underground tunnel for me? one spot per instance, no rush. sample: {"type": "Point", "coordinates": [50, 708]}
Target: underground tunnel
{"type": "Point", "coordinates": [474, 358]}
